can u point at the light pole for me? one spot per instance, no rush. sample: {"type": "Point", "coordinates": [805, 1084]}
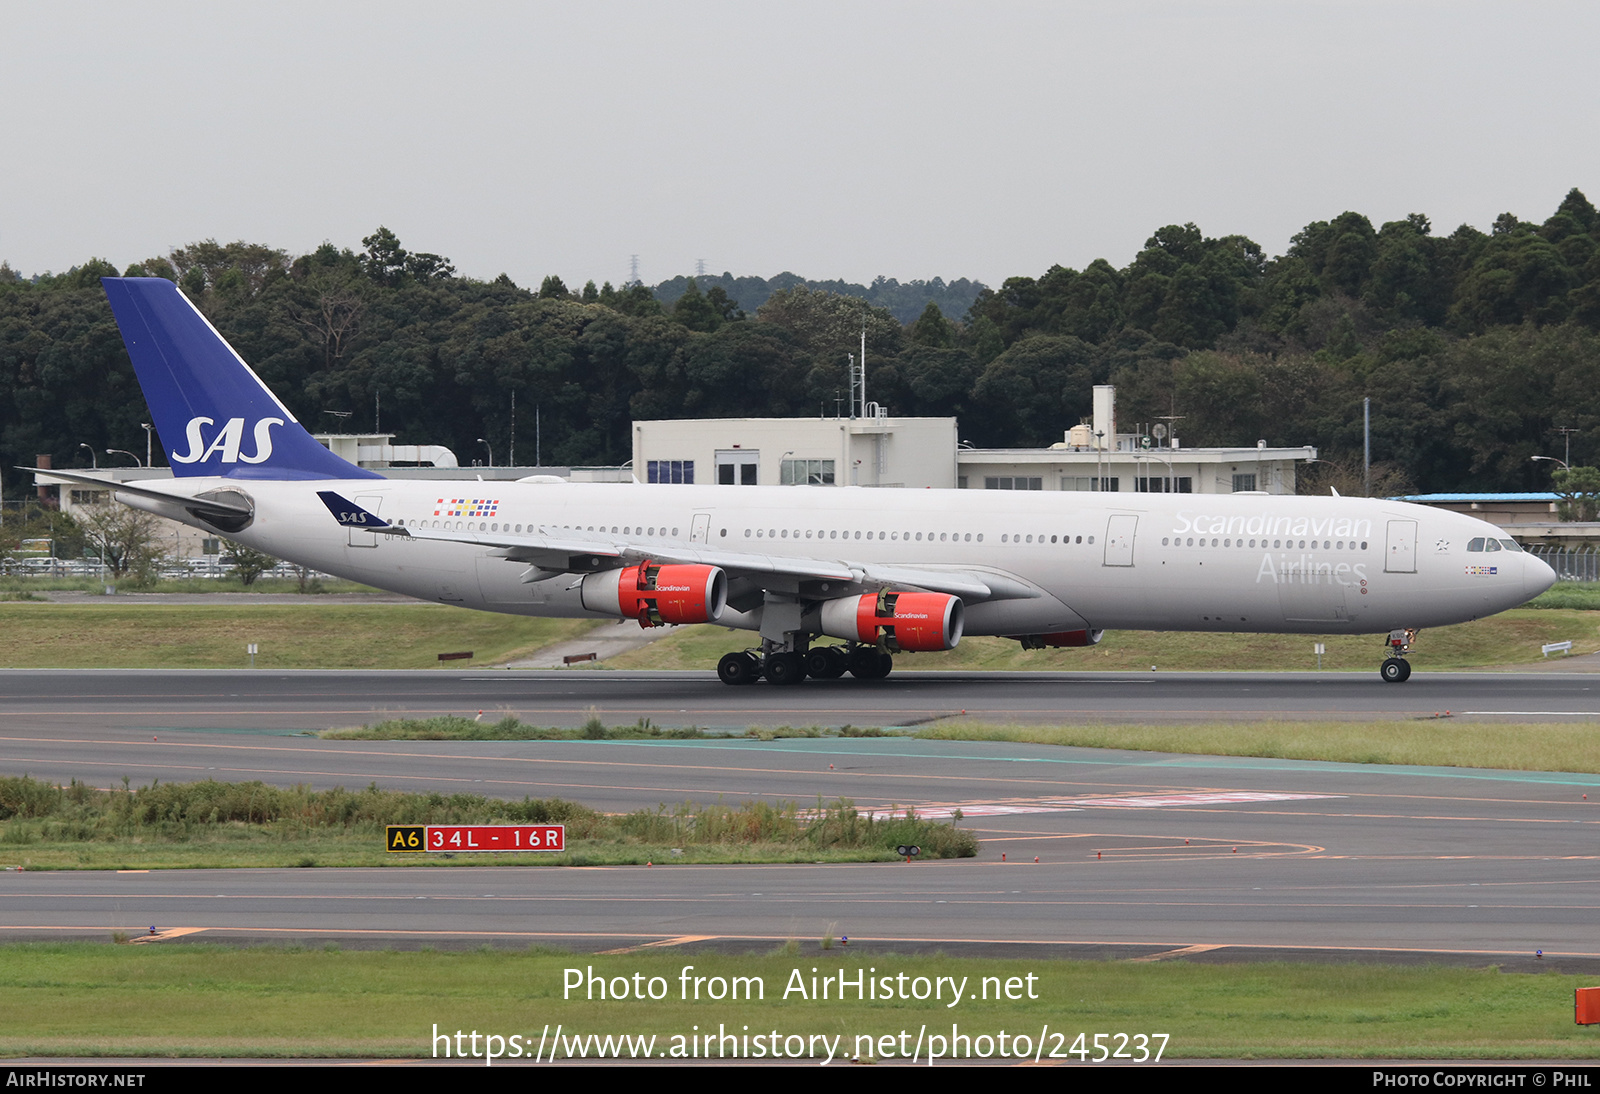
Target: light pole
{"type": "Point", "coordinates": [1566, 432]}
{"type": "Point", "coordinates": [124, 452]}
{"type": "Point", "coordinates": [148, 433]}
{"type": "Point", "coordinates": [490, 447]}
{"type": "Point", "coordinates": [94, 464]}
{"type": "Point", "coordinates": [1552, 459]}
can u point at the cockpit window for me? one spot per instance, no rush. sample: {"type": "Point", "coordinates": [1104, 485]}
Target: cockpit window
{"type": "Point", "coordinates": [1510, 545]}
{"type": "Point", "coordinates": [1491, 545]}
{"type": "Point", "coordinates": [1476, 544]}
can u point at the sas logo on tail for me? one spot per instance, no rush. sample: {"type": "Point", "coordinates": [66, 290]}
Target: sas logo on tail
{"type": "Point", "coordinates": [227, 441]}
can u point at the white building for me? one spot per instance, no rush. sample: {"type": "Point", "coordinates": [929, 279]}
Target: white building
{"type": "Point", "coordinates": [925, 452]}
{"type": "Point", "coordinates": [876, 451]}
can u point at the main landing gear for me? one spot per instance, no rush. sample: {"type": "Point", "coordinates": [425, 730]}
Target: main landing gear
{"type": "Point", "coordinates": [1395, 668]}
{"type": "Point", "coordinates": [792, 666]}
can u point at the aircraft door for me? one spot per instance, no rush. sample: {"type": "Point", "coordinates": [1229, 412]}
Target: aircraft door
{"type": "Point", "coordinates": [359, 538]}
{"type": "Point", "coordinates": [700, 532]}
{"type": "Point", "coordinates": [1120, 530]}
{"type": "Point", "coordinates": [1400, 554]}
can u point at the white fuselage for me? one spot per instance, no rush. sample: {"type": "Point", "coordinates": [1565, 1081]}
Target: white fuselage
{"type": "Point", "coordinates": [1202, 562]}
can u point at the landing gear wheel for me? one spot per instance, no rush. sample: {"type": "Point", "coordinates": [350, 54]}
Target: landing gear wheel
{"type": "Point", "coordinates": [826, 662]}
{"type": "Point", "coordinates": [738, 668]}
{"type": "Point", "coordinates": [785, 668]}
{"type": "Point", "coordinates": [1396, 670]}
{"type": "Point", "coordinates": [869, 663]}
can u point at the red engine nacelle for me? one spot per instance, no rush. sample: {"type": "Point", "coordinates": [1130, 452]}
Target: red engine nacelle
{"type": "Point", "coordinates": [655, 594]}
{"type": "Point", "coordinates": [1058, 638]}
{"type": "Point", "coordinates": [914, 622]}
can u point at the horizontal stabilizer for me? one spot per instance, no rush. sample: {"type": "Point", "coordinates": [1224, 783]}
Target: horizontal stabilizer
{"type": "Point", "coordinates": [217, 505]}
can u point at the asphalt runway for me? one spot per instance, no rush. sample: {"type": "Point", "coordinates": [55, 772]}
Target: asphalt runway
{"type": "Point", "coordinates": [132, 699]}
{"type": "Point", "coordinates": [1140, 855]}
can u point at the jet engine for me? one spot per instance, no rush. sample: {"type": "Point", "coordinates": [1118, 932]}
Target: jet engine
{"type": "Point", "coordinates": [1059, 638]}
{"type": "Point", "coordinates": [655, 594]}
{"type": "Point", "coordinates": [913, 622]}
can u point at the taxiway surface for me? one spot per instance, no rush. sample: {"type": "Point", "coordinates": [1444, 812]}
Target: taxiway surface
{"type": "Point", "coordinates": [64, 698]}
{"type": "Point", "coordinates": [1159, 853]}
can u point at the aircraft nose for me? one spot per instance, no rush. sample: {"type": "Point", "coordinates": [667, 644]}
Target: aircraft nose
{"type": "Point", "coordinates": [1537, 576]}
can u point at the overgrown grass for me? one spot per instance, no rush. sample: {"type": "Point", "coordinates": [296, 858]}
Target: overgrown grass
{"type": "Point", "coordinates": [1427, 742]}
{"type": "Point", "coordinates": [453, 727]}
{"type": "Point", "coordinates": [252, 824]}
{"type": "Point", "coordinates": [80, 999]}
{"type": "Point", "coordinates": [1509, 638]}
{"type": "Point", "coordinates": [308, 634]}
{"type": "Point", "coordinates": [1571, 595]}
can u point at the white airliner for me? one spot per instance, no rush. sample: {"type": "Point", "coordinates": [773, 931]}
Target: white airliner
{"type": "Point", "coordinates": [882, 571]}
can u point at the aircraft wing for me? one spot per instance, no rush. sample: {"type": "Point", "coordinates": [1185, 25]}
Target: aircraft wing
{"type": "Point", "coordinates": [822, 578]}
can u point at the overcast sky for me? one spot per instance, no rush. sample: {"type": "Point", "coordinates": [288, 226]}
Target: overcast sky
{"type": "Point", "coordinates": [834, 140]}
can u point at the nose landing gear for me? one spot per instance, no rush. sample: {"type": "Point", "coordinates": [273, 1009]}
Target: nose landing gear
{"type": "Point", "coordinates": [1395, 668]}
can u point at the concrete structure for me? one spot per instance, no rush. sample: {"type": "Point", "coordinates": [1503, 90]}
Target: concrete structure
{"type": "Point", "coordinates": [1133, 469]}
{"type": "Point", "coordinates": [1095, 455]}
{"type": "Point", "coordinates": [874, 451]}
{"type": "Point", "coordinates": [1530, 519]}
{"type": "Point", "coordinates": [924, 452]}
{"type": "Point", "coordinates": [378, 450]}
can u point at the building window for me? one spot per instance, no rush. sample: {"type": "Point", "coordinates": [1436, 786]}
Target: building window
{"type": "Point", "coordinates": [1243, 482]}
{"type": "Point", "coordinates": [737, 467]}
{"type": "Point", "coordinates": [1086, 482]}
{"type": "Point", "coordinates": [1182, 484]}
{"type": "Point", "coordinates": [90, 497]}
{"type": "Point", "coordinates": [671, 471]}
{"type": "Point", "coordinates": [1008, 482]}
{"type": "Point", "coordinates": [806, 473]}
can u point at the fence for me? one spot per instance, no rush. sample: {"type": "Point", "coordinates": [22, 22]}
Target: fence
{"type": "Point", "coordinates": [1571, 564]}
{"type": "Point", "coordinates": [207, 567]}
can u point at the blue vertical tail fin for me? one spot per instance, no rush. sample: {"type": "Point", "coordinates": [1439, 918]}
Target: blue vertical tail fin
{"type": "Point", "coordinates": [214, 414]}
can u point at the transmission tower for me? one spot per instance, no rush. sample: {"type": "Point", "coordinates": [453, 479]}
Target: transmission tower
{"type": "Point", "coordinates": [633, 274]}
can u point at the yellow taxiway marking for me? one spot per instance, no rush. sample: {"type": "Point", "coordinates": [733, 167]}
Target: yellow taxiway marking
{"type": "Point", "coordinates": [170, 932]}
{"type": "Point", "coordinates": [661, 944]}
{"type": "Point", "coordinates": [1182, 951]}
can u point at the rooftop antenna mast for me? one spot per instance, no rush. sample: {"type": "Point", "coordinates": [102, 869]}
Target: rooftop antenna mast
{"type": "Point", "coordinates": [1172, 421]}
{"type": "Point", "coordinates": [863, 367]}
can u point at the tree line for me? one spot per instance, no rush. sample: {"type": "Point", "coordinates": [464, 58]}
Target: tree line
{"type": "Point", "coordinates": [1475, 348]}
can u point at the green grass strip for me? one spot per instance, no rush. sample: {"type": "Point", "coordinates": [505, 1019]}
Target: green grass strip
{"type": "Point", "coordinates": [1510, 638]}
{"type": "Point", "coordinates": [310, 634]}
{"type": "Point", "coordinates": [1441, 742]}
{"type": "Point", "coordinates": [205, 1000]}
